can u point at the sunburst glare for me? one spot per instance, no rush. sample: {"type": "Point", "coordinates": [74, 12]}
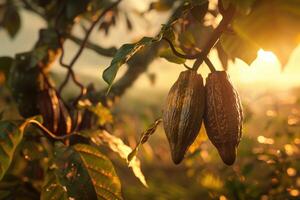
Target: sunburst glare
{"type": "Point", "coordinates": [266, 56]}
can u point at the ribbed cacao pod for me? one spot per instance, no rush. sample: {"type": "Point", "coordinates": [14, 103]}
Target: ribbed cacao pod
{"type": "Point", "coordinates": [55, 114]}
{"type": "Point", "coordinates": [183, 112]}
{"type": "Point", "coordinates": [48, 104]}
{"type": "Point", "coordinates": [223, 115]}
{"type": "Point", "coordinates": [65, 120]}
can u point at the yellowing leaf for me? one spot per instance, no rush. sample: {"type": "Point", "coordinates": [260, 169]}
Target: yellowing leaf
{"type": "Point", "coordinates": [103, 113]}
{"type": "Point", "coordinates": [144, 138]}
{"type": "Point", "coordinates": [202, 136]}
{"type": "Point", "coordinates": [117, 145]}
{"type": "Point", "coordinates": [211, 181]}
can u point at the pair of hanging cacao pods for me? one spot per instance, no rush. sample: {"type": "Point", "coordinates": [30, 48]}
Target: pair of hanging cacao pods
{"type": "Point", "coordinates": [189, 102]}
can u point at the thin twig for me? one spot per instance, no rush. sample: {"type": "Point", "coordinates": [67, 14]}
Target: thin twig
{"type": "Point", "coordinates": [209, 64]}
{"type": "Point", "coordinates": [178, 54]}
{"type": "Point", "coordinates": [45, 130]}
{"type": "Point", "coordinates": [227, 17]}
{"type": "Point", "coordinates": [207, 61]}
{"type": "Point", "coordinates": [61, 58]}
{"type": "Point", "coordinates": [80, 50]}
{"type": "Point", "coordinates": [109, 52]}
{"type": "Point", "coordinates": [186, 66]}
{"type": "Point", "coordinates": [70, 73]}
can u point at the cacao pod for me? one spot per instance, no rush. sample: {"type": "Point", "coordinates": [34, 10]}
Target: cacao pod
{"type": "Point", "coordinates": [76, 118]}
{"type": "Point", "coordinates": [48, 104]}
{"type": "Point", "coordinates": [65, 120]}
{"type": "Point", "coordinates": [183, 112]}
{"type": "Point", "coordinates": [24, 81]}
{"type": "Point", "coordinates": [55, 114]}
{"type": "Point", "coordinates": [223, 115]}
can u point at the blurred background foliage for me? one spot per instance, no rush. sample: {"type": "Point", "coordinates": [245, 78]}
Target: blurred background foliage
{"type": "Point", "coordinates": [267, 164]}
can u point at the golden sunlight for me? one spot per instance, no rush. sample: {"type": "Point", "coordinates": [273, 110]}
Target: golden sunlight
{"type": "Point", "coordinates": [266, 56]}
{"type": "Point", "coordinates": [265, 68]}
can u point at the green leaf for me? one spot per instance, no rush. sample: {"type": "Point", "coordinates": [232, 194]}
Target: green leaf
{"type": "Point", "coordinates": [168, 54]}
{"type": "Point", "coordinates": [122, 56]}
{"type": "Point", "coordinates": [168, 32]}
{"type": "Point", "coordinates": [236, 47]}
{"type": "Point", "coordinates": [5, 64]}
{"type": "Point", "coordinates": [196, 35]}
{"type": "Point", "coordinates": [118, 146]}
{"type": "Point", "coordinates": [271, 26]}
{"type": "Point", "coordinates": [82, 172]}
{"type": "Point", "coordinates": [12, 187]}
{"type": "Point", "coordinates": [103, 113]}
{"type": "Point", "coordinates": [10, 138]}
{"type": "Point", "coordinates": [128, 50]}
{"type": "Point", "coordinates": [187, 39]}
{"type": "Point", "coordinates": [38, 54]}
{"type": "Point", "coordinates": [48, 40]}
{"type": "Point", "coordinates": [11, 20]}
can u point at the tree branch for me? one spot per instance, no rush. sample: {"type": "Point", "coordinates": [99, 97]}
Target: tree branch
{"type": "Point", "coordinates": [80, 50]}
{"type": "Point", "coordinates": [209, 64]}
{"type": "Point", "coordinates": [33, 8]}
{"type": "Point", "coordinates": [227, 17]}
{"type": "Point", "coordinates": [109, 52]}
{"type": "Point", "coordinates": [137, 65]}
{"type": "Point", "coordinates": [178, 54]}
{"type": "Point", "coordinates": [221, 7]}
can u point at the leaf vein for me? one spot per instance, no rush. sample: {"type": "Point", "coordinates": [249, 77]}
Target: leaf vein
{"type": "Point", "coordinates": [109, 175]}
{"type": "Point", "coordinates": [107, 190]}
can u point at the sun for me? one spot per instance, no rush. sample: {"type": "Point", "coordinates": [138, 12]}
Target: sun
{"type": "Point", "coordinates": [266, 56]}
{"type": "Point", "coordinates": [265, 68]}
